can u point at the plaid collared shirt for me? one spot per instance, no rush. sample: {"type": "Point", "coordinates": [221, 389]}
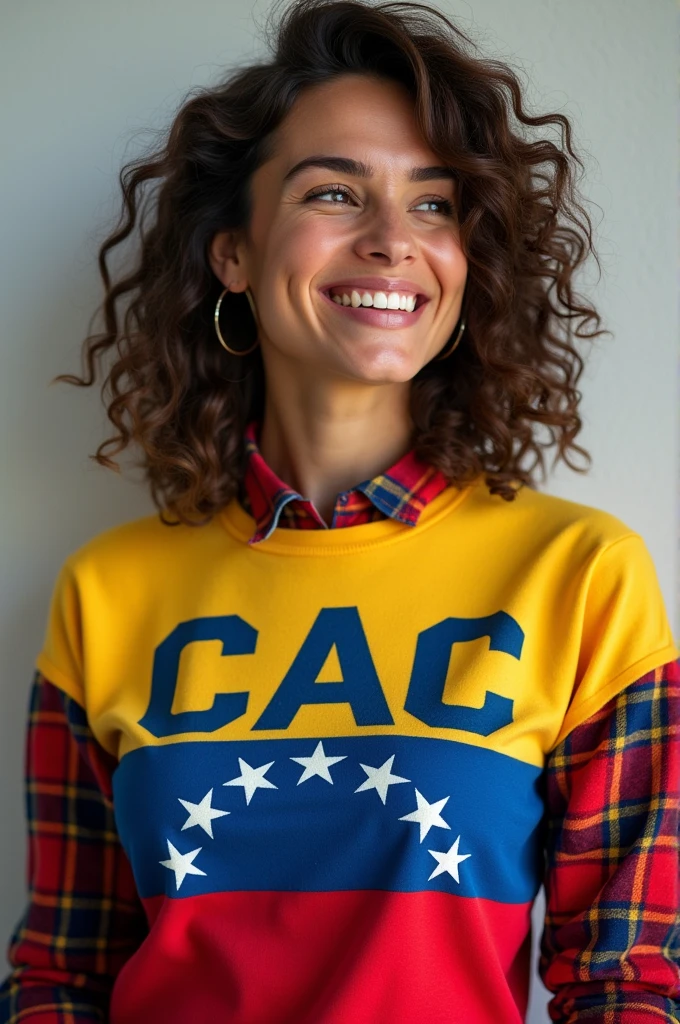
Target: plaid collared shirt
{"type": "Point", "coordinates": [610, 947]}
{"type": "Point", "coordinates": [401, 492]}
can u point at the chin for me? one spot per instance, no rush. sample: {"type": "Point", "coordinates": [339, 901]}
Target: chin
{"type": "Point", "coordinates": [391, 368]}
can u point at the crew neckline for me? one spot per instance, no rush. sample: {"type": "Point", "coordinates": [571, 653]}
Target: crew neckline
{"type": "Point", "coordinates": [289, 541]}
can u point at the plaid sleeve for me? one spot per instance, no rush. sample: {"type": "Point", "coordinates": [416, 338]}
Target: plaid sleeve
{"type": "Point", "coordinates": [84, 918]}
{"type": "Point", "coordinates": [610, 948]}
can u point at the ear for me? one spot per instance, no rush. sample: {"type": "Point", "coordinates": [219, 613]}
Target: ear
{"type": "Point", "coordinates": [226, 260]}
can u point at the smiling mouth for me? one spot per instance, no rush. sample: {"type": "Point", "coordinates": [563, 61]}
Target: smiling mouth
{"type": "Point", "coordinates": [355, 298]}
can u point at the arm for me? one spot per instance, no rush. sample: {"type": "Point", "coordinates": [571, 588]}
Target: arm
{"type": "Point", "coordinates": [610, 945]}
{"type": "Point", "coordinates": [83, 918]}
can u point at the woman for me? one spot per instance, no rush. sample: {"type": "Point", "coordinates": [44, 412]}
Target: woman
{"type": "Point", "coordinates": [307, 755]}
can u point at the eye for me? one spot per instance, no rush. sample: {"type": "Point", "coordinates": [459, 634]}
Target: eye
{"type": "Point", "coordinates": [445, 205]}
{"type": "Point", "coordinates": [334, 190]}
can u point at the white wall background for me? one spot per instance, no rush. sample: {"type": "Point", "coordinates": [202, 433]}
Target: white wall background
{"type": "Point", "coordinates": [80, 78]}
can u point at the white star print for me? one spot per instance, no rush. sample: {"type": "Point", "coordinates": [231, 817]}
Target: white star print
{"type": "Point", "coordinates": [448, 861]}
{"type": "Point", "coordinates": [251, 778]}
{"type": "Point", "coordinates": [201, 814]}
{"type": "Point", "coordinates": [427, 815]}
{"type": "Point", "coordinates": [380, 778]}
{"type": "Point", "coordinates": [317, 764]}
{"type": "Point", "coordinates": [181, 863]}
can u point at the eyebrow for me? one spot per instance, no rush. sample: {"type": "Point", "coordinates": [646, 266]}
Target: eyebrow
{"type": "Point", "coordinates": [344, 165]}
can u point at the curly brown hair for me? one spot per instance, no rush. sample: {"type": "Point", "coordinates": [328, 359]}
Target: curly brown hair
{"type": "Point", "coordinates": [523, 229]}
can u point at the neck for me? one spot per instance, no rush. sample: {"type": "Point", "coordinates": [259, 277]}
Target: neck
{"type": "Point", "coordinates": [321, 445]}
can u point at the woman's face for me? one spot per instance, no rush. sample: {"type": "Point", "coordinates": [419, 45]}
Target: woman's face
{"type": "Point", "coordinates": [356, 228]}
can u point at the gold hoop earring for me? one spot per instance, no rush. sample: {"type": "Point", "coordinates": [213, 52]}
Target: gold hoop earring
{"type": "Point", "coordinates": [455, 344]}
{"type": "Point", "coordinates": [223, 343]}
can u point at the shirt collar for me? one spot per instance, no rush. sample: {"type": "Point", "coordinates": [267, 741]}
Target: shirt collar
{"type": "Point", "coordinates": [401, 492]}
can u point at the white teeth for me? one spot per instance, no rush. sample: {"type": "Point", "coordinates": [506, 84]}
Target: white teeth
{"type": "Point", "coordinates": [379, 300]}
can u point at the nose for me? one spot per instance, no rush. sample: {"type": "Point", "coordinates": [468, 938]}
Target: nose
{"type": "Point", "coordinates": [386, 238]}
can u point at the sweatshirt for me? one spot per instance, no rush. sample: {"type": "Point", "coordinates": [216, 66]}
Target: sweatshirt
{"type": "Point", "coordinates": [330, 745]}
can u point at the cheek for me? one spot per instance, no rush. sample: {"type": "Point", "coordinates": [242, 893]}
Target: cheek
{"type": "Point", "coordinates": [299, 251]}
{"type": "Point", "coordinates": [448, 261]}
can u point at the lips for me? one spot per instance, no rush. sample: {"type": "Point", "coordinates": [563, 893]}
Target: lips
{"type": "Point", "coordinates": [387, 319]}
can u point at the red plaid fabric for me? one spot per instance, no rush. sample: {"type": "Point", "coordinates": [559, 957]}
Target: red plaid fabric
{"type": "Point", "coordinates": [83, 918]}
{"type": "Point", "coordinates": [610, 948]}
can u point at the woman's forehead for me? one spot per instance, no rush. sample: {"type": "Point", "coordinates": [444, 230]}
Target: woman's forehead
{"type": "Point", "coordinates": [357, 117]}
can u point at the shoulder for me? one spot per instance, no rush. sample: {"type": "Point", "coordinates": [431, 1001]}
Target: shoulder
{"type": "Point", "coordinates": [549, 519]}
{"type": "Point", "coordinates": [124, 540]}
{"type": "Point", "coordinates": [145, 546]}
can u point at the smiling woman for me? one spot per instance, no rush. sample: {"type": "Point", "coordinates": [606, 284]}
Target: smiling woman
{"type": "Point", "coordinates": [378, 142]}
{"type": "Point", "coordinates": [310, 260]}
{"type": "Point", "coordinates": [307, 757]}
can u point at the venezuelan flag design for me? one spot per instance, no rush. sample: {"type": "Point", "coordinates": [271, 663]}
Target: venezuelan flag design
{"type": "Point", "coordinates": [385, 834]}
